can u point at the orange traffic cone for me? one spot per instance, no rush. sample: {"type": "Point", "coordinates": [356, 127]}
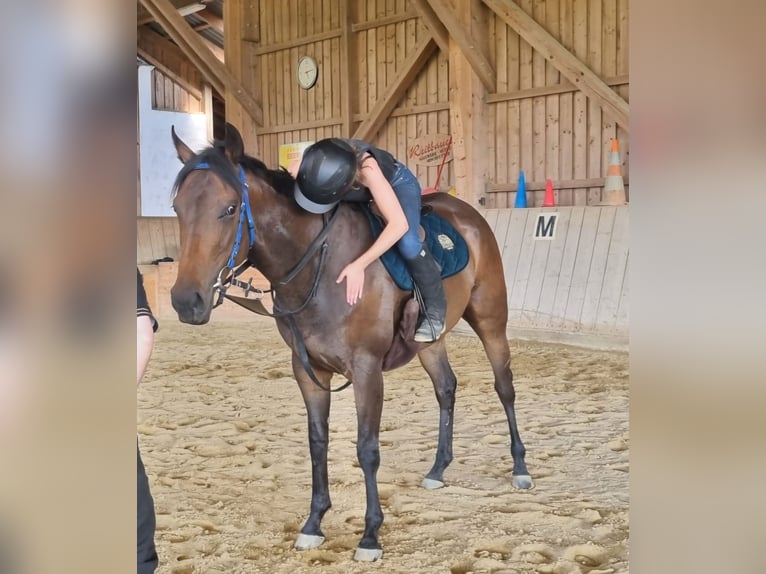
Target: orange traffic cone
{"type": "Point", "coordinates": [614, 186]}
{"type": "Point", "coordinates": [549, 200]}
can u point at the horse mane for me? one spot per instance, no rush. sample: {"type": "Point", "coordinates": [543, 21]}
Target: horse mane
{"type": "Point", "coordinates": [279, 179]}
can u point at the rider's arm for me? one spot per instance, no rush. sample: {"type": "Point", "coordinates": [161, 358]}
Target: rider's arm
{"type": "Point", "coordinates": [396, 223]}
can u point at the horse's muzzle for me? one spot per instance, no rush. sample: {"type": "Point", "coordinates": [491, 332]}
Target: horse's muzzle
{"type": "Point", "coordinates": [191, 306]}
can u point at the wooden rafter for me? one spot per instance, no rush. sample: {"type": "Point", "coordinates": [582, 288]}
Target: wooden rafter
{"type": "Point", "coordinates": [184, 8]}
{"type": "Point", "coordinates": [565, 62]}
{"type": "Point", "coordinates": [169, 59]}
{"type": "Point", "coordinates": [432, 22]}
{"type": "Point", "coordinates": [217, 51]}
{"type": "Point", "coordinates": [468, 46]}
{"type": "Point", "coordinates": [216, 22]}
{"type": "Point", "coordinates": [401, 83]}
{"type": "Point", "coordinates": [195, 49]}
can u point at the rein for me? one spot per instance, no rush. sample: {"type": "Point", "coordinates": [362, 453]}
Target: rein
{"type": "Point", "coordinates": [255, 305]}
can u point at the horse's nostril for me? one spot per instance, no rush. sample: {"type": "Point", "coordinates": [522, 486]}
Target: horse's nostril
{"type": "Point", "coordinates": [187, 304]}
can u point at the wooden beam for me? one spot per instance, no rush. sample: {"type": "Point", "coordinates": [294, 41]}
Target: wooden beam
{"type": "Point", "coordinates": [207, 103]}
{"type": "Point", "coordinates": [196, 50]}
{"type": "Point", "coordinates": [469, 123]}
{"type": "Point", "coordinates": [279, 46]}
{"type": "Point", "coordinates": [387, 21]}
{"type": "Point", "coordinates": [217, 51]}
{"type": "Point", "coordinates": [412, 110]}
{"type": "Point", "coordinates": [471, 48]}
{"type": "Point", "coordinates": [234, 17]}
{"type": "Point", "coordinates": [349, 98]}
{"type": "Point", "coordinates": [169, 59]}
{"type": "Point", "coordinates": [216, 22]}
{"type": "Point", "coordinates": [432, 23]}
{"type": "Point", "coordinates": [306, 125]}
{"type": "Point", "coordinates": [401, 83]}
{"type": "Point", "coordinates": [562, 88]}
{"type": "Point", "coordinates": [564, 61]}
{"type": "Point", "coordinates": [184, 9]}
{"type": "Point", "coordinates": [557, 184]}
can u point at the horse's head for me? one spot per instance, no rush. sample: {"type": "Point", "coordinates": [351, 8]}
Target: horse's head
{"type": "Point", "coordinates": [208, 200]}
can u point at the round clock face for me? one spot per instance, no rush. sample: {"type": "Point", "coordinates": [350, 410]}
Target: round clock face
{"type": "Point", "coordinates": [307, 72]}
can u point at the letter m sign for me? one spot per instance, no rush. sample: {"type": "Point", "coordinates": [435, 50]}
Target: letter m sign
{"type": "Point", "coordinates": [545, 228]}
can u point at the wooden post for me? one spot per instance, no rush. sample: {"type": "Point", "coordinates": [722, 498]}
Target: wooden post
{"type": "Point", "coordinates": [348, 64]}
{"type": "Point", "coordinates": [469, 122]}
{"type": "Point", "coordinates": [207, 106]}
{"type": "Point", "coordinates": [233, 21]}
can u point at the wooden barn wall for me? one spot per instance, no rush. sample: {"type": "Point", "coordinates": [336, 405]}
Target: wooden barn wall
{"type": "Point", "coordinates": [538, 121]}
{"type": "Point", "coordinates": [383, 34]}
{"type": "Point", "coordinates": [170, 96]}
{"type": "Point", "coordinates": [156, 238]}
{"type": "Point", "coordinates": [541, 124]}
{"type": "Point", "coordinates": [573, 287]}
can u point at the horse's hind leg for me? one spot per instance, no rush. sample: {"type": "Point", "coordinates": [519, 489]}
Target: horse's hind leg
{"type": "Point", "coordinates": [490, 327]}
{"type": "Point", "coordinates": [435, 361]}
{"type": "Point", "coordinates": [318, 409]}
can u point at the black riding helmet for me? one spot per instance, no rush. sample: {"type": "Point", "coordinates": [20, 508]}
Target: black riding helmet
{"type": "Point", "coordinates": [327, 170]}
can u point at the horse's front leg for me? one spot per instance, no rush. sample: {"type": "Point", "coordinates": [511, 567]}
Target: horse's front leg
{"type": "Point", "coordinates": [368, 395]}
{"type": "Point", "coordinates": [318, 409]}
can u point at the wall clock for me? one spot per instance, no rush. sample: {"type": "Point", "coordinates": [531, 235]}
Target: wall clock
{"type": "Point", "coordinates": [307, 72]}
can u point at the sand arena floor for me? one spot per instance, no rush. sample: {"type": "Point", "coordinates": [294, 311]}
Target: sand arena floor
{"type": "Point", "coordinates": [223, 436]}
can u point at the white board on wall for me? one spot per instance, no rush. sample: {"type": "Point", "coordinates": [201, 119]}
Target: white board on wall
{"type": "Point", "coordinates": [158, 162]}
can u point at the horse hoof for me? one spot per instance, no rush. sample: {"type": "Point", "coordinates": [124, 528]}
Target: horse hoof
{"type": "Point", "coordinates": [431, 484]}
{"type": "Point", "coordinates": [368, 554]}
{"type": "Point", "coordinates": [306, 541]}
{"type": "Point", "coordinates": [522, 481]}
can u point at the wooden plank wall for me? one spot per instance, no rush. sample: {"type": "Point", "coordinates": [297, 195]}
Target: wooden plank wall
{"type": "Point", "coordinates": [384, 32]}
{"type": "Point", "coordinates": [574, 285]}
{"type": "Point", "coordinates": [539, 122]}
{"type": "Point", "coordinates": [156, 238]}
{"type": "Point", "coordinates": [170, 96]}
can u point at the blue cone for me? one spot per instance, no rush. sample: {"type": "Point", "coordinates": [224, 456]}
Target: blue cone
{"type": "Point", "coordinates": [521, 192]}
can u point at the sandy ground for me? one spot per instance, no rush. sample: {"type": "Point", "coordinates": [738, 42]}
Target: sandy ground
{"type": "Point", "coordinates": [222, 431]}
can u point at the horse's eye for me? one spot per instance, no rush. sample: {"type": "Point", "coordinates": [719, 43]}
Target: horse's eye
{"type": "Point", "coordinates": [231, 210]}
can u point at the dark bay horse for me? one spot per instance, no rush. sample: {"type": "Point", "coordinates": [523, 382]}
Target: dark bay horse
{"type": "Point", "coordinates": [224, 198]}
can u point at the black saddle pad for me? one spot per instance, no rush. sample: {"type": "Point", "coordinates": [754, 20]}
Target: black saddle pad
{"type": "Point", "coordinates": [447, 246]}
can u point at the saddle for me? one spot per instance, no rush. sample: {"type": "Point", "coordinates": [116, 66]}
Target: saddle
{"type": "Point", "coordinates": [446, 245]}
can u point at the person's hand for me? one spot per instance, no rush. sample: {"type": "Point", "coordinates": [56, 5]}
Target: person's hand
{"type": "Point", "coordinates": [353, 273]}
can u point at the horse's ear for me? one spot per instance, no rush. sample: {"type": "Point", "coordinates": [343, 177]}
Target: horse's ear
{"type": "Point", "coordinates": [235, 149]}
{"type": "Point", "coordinates": [184, 152]}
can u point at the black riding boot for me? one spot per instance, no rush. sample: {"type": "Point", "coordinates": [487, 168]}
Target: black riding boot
{"type": "Point", "coordinates": [426, 275]}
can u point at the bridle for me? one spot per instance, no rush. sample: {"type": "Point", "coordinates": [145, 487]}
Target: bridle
{"type": "Point", "coordinates": [222, 283]}
{"type": "Point", "coordinates": [227, 276]}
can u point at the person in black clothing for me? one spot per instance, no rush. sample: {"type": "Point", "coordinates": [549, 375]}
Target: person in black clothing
{"type": "Point", "coordinates": [146, 325]}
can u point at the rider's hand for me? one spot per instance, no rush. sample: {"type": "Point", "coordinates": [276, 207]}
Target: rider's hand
{"type": "Point", "coordinates": [353, 273]}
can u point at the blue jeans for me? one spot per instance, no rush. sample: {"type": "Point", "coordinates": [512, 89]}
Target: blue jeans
{"type": "Point", "coordinates": [408, 192]}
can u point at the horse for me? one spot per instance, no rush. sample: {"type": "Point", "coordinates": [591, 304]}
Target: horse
{"type": "Point", "coordinates": [233, 209]}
